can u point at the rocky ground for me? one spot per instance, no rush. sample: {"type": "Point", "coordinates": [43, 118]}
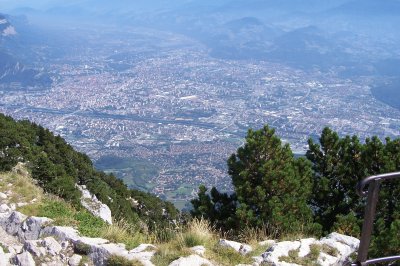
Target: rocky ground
{"type": "Point", "coordinates": [29, 241]}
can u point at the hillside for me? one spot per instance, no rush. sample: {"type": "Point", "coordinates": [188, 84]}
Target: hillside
{"type": "Point", "coordinates": [57, 167]}
{"type": "Point", "coordinates": [37, 228]}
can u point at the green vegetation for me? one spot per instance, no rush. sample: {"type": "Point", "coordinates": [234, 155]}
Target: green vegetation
{"type": "Point", "coordinates": [121, 261]}
{"type": "Point", "coordinates": [271, 186]}
{"type": "Point", "coordinates": [134, 172]}
{"type": "Point", "coordinates": [311, 195]}
{"type": "Point", "coordinates": [57, 167]}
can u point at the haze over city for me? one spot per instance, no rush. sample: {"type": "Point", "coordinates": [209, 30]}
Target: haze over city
{"type": "Point", "coordinates": [162, 92]}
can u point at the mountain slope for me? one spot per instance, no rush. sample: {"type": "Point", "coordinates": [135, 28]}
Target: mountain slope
{"type": "Point", "coordinates": [13, 73]}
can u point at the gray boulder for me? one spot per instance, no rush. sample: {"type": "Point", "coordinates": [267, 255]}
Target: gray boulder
{"type": "Point", "coordinates": [30, 228]}
{"type": "Point", "coordinates": [12, 223]}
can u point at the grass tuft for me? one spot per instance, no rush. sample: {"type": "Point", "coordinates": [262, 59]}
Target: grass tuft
{"type": "Point", "coordinates": [123, 232]}
{"type": "Point", "coordinates": [121, 261]}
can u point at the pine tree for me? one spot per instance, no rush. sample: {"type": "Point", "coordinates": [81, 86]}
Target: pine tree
{"type": "Point", "coordinates": [337, 167]}
{"type": "Point", "coordinates": [272, 186]}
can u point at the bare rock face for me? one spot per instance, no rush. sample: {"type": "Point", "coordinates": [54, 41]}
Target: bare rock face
{"type": "Point", "coordinates": [93, 205]}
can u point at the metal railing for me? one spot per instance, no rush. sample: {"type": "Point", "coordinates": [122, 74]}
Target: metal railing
{"type": "Point", "coordinates": [372, 194]}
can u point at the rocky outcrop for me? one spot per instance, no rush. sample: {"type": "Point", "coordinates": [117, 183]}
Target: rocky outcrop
{"type": "Point", "coordinates": [33, 241]}
{"type": "Point", "coordinates": [335, 249]}
{"type": "Point", "coordinates": [93, 205]}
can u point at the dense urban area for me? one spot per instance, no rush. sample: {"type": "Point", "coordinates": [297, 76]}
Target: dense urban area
{"type": "Point", "coordinates": [166, 118]}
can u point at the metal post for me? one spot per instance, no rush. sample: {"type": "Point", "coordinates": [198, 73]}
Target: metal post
{"type": "Point", "coordinates": [369, 215]}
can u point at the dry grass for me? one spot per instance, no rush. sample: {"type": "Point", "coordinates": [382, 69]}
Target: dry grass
{"type": "Point", "coordinates": [23, 188]}
{"type": "Point", "coordinates": [123, 232]}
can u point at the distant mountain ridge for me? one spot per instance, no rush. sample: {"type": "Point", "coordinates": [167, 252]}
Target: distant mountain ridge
{"type": "Point", "coordinates": [13, 73]}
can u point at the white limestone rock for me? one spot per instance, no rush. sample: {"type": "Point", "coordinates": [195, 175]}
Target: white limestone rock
{"type": "Point", "coordinates": [279, 249]}
{"type": "Point", "coordinates": [142, 248]}
{"type": "Point", "coordinates": [3, 258]}
{"type": "Point", "coordinates": [3, 196]}
{"type": "Point", "coordinates": [241, 248]}
{"type": "Point", "coordinates": [33, 247]}
{"type": "Point", "coordinates": [75, 260]}
{"type": "Point", "coordinates": [305, 246]}
{"type": "Point", "coordinates": [13, 222]}
{"type": "Point", "coordinates": [91, 241]}
{"type": "Point", "coordinates": [62, 233]}
{"type": "Point", "coordinates": [23, 259]}
{"type": "Point", "coordinates": [30, 229]}
{"type": "Point", "coordinates": [199, 250]}
{"type": "Point", "coordinates": [327, 260]}
{"type": "Point", "coordinates": [52, 246]}
{"type": "Point", "coordinates": [192, 260]}
{"type": "Point", "coordinates": [267, 243]}
{"type": "Point", "coordinates": [347, 240]}
{"type": "Point", "coordinates": [93, 205]}
{"type": "Point", "coordinates": [4, 208]}
{"type": "Point", "coordinates": [100, 253]}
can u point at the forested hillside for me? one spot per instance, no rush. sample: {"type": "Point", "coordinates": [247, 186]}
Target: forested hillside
{"type": "Point", "coordinates": [57, 167]}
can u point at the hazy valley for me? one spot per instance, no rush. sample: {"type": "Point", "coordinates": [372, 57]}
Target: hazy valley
{"type": "Point", "coordinates": [163, 96]}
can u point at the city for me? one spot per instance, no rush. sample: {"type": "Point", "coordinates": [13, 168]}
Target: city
{"type": "Point", "coordinates": [172, 114]}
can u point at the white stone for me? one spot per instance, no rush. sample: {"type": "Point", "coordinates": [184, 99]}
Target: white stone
{"type": "Point", "coordinates": [93, 205]}
{"type": "Point", "coordinates": [142, 248]}
{"type": "Point", "coordinates": [100, 253]}
{"type": "Point", "coordinates": [4, 208]}
{"type": "Point", "coordinates": [23, 259]}
{"type": "Point", "coordinates": [258, 260]}
{"type": "Point", "coordinates": [305, 246]}
{"type": "Point", "coordinates": [3, 258]}
{"type": "Point", "coordinates": [52, 246]}
{"type": "Point", "coordinates": [30, 229]}
{"type": "Point", "coordinates": [267, 243]}
{"type": "Point", "coordinates": [13, 222]}
{"type": "Point", "coordinates": [192, 260]}
{"type": "Point", "coordinates": [32, 247]}
{"type": "Point", "coordinates": [343, 249]}
{"type": "Point", "coordinates": [327, 260]}
{"type": "Point", "coordinates": [347, 240]}
{"type": "Point", "coordinates": [241, 248]}
{"type": "Point", "coordinates": [279, 249]}
{"type": "Point", "coordinates": [75, 260]}
{"type": "Point", "coordinates": [91, 241]}
{"type": "Point", "coordinates": [144, 257]}
{"type": "Point", "coordinates": [61, 232]}
{"type": "Point", "coordinates": [199, 250]}
{"type": "Point", "coordinates": [3, 196]}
